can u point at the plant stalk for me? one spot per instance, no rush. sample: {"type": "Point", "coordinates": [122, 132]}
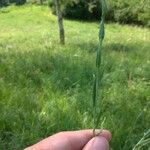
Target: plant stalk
{"type": "Point", "coordinates": [97, 77]}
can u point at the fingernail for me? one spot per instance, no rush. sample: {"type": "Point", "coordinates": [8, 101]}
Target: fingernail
{"type": "Point", "coordinates": [103, 133]}
{"type": "Point", "coordinates": [97, 143]}
{"type": "Point", "coordinates": [98, 132]}
{"type": "Point", "coordinates": [106, 134]}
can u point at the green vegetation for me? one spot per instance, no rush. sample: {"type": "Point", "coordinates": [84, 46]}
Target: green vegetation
{"type": "Point", "coordinates": [99, 69]}
{"type": "Point", "coordinates": [4, 3]}
{"type": "Point", "coordinates": [46, 88]}
{"type": "Point", "coordinates": [145, 140]}
{"type": "Point", "coordinates": [125, 12]}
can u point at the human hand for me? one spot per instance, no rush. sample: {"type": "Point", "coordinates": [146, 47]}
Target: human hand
{"type": "Point", "coordinates": [75, 140]}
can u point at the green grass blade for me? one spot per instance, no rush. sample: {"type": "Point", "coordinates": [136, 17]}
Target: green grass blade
{"type": "Point", "coordinates": [98, 76]}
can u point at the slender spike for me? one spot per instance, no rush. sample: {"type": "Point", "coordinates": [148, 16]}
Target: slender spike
{"type": "Point", "coordinates": [98, 76]}
{"type": "Point", "coordinates": [94, 105]}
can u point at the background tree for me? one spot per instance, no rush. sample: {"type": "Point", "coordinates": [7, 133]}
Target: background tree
{"type": "Point", "coordinates": [124, 12]}
{"type": "Point", "coordinates": [60, 22]}
{"type": "Point", "coordinates": [41, 2]}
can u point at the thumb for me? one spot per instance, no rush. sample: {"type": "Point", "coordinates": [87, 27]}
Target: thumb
{"type": "Point", "coordinates": [97, 143]}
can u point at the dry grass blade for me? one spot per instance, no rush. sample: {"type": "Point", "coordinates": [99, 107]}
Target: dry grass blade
{"type": "Point", "coordinates": [145, 140]}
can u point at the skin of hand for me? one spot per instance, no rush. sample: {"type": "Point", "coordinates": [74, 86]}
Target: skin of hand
{"type": "Point", "coordinates": [75, 140]}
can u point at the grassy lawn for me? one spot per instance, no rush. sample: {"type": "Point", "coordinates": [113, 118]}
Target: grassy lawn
{"type": "Point", "coordinates": [46, 88]}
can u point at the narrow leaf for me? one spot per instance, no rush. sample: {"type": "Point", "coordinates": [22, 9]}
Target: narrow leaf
{"type": "Point", "coordinates": [102, 30]}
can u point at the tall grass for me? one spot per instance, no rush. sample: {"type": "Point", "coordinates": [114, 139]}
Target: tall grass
{"type": "Point", "coordinates": [145, 140]}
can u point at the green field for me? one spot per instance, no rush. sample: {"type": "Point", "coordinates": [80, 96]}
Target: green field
{"type": "Point", "coordinates": [46, 88]}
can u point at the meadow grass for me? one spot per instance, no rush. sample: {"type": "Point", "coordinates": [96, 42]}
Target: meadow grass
{"type": "Point", "coordinates": [46, 88]}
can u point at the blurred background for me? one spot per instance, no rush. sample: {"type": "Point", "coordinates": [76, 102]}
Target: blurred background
{"type": "Point", "coordinates": [46, 87]}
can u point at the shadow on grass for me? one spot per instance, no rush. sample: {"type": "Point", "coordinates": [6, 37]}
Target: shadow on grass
{"type": "Point", "coordinates": [89, 47]}
{"type": "Point", "coordinates": [33, 68]}
{"type": "Point", "coordinates": [118, 47]}
{"type": "Point", "coordinates": [63, 70]}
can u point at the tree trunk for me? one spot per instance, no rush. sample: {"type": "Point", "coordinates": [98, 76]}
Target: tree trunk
{"type": "Point", "coordinates": [60, 22]}
{"type": "Point", "coordinates": [41, 2]}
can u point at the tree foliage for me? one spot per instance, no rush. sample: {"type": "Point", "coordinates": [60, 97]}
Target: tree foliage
{"type": "Point", "coordinates": [8, 2]}
{"type": "Point", "coordinates": [130, 12]}
{"type": "Point", "coordinates": [136, 11]}
{"type": "Point", "coordinates": [79, 9]}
